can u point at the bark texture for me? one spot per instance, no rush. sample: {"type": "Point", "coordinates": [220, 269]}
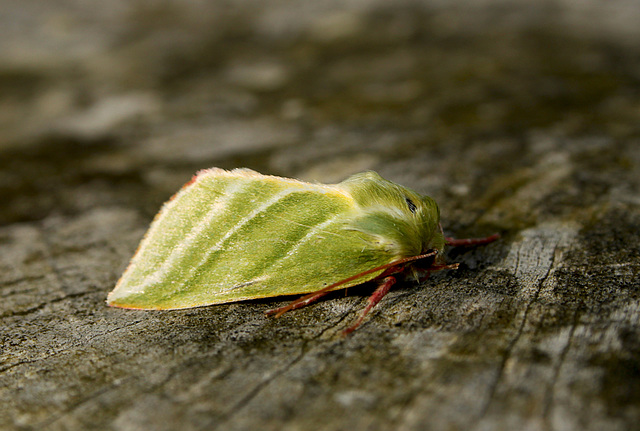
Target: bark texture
{"type": "Point", "coordinates": [518, 118]}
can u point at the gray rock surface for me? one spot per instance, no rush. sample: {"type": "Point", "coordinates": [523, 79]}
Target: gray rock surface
{"type": "Point", "coordinates": [517, 117]}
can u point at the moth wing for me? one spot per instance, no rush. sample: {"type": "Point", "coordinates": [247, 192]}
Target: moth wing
{"type": "Point", "coordinates": [235, 235]}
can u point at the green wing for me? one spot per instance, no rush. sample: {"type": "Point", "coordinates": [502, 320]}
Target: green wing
{"type": "Point", "coordinates": [236, 235]}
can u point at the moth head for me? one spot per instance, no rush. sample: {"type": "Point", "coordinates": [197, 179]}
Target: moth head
{"type": "Point", "coordinates": [426, 214]}
{"type": "Point", "coordinates": [407, 220]}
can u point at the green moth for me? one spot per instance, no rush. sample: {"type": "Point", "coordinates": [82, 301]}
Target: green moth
{"type": "Point", "coordinates": [237, 235]}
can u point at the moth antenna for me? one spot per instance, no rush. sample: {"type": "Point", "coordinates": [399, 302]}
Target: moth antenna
{"type": "Point", "coordinates": [307, 299]}
{"type": "Point", "coordinates": [294, 306]}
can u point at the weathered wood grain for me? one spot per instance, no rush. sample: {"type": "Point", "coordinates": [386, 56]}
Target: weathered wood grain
{"type": "Point", "coordinates": [523, 120]}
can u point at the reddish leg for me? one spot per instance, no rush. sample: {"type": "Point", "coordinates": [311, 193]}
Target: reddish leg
{"type": "Point", "coordinates": [377, 295]}
{"type": "Point", "coordinates": [295, 305]}
{"type": "Point", "coordinates": [471, 241]}
{"type": "Point", "coordinates": [424, 273]}
{"type": "Point", "coordinates": [390, 268]}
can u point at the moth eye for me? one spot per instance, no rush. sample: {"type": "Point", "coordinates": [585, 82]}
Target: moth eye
{"type": "Point", "coordinates": [411, 205]}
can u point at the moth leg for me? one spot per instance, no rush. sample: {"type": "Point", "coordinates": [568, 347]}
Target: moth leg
{"type": "Point", "coordinates": [422, 274]}
{"type": "Point", "coordinates": [434, 268]}
{"type": "Point", "coordinates": [377, 295]}
{"type": "Point", "coordinates": [389, 268]}
{"type": "Point", "coordinates": [295, 304]}
{"type": "Point", "coordinates": [471, 241]}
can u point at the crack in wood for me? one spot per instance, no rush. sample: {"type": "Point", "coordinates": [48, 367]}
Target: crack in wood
{"type": "Point", "coordinates": [255, 391]}
{"type": "Point", "coordinates": [43, 305]}
{"type": "Point", "coordinates": [67, 348]}
{"type": "Point", "coordinates": [493, 388]}
{"type": "Point", "coordinates": [551, 387]}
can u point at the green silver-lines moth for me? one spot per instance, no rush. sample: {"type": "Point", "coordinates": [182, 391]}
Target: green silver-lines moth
{"type": "Point", "coordinates": [236, 235]}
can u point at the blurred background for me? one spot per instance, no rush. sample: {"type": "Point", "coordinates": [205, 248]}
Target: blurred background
{"type": "Point", "coordinates": [119, 102]}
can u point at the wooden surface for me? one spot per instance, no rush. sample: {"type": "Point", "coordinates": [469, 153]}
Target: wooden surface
{"type": "Point", "coordinates": [522, 120]}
